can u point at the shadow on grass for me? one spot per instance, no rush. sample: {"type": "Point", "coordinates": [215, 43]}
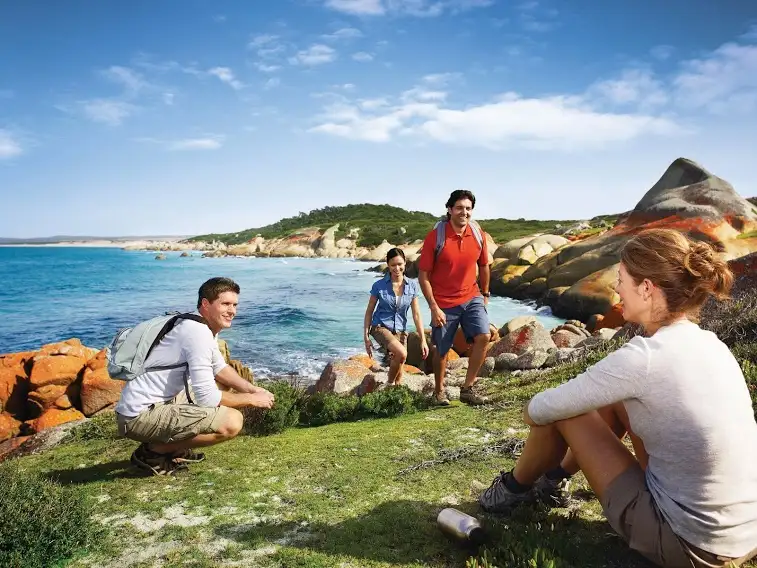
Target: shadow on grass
{"type": "Point", "coordinates": [95, 473]}
{"type": "Point", "coordinates": [406, 531]}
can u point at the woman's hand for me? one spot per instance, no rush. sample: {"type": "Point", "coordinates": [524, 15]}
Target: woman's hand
{"type": "Point", "coordinates": [368, 345]}
{"type": "Point", "coordinates": [424, 349]}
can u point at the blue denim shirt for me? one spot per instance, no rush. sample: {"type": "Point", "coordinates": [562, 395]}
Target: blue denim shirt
{"type": "Point", "coordinates": [391, 312]}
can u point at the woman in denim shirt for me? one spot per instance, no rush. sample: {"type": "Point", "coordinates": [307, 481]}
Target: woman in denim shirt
{"type": "Point", "coordinates": [386, 315]}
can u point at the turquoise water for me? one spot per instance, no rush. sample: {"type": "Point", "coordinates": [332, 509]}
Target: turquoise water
{"type": "Point", "coordinates": [294, 314]}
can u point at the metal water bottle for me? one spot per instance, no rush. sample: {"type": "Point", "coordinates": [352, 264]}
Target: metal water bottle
{"type": "Point", "coordinates": [460, 526]}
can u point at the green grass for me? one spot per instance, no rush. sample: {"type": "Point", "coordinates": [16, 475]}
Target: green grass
{"type": "Point", "coordinates": [331, 496]}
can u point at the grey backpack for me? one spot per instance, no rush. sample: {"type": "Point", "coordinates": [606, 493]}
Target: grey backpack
{"type": "Point", "coordinates": [132, 346]}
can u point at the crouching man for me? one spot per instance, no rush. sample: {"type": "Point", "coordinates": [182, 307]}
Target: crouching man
{"type": "Point", "coordinates": [156, 407]}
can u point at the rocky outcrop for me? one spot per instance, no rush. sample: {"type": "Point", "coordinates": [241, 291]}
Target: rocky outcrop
{"type": "Point", "coordinates": [61, 382]}
{"type": "Point", "coordinates": [577, 280]}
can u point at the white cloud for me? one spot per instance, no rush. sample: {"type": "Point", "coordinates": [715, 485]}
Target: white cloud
{"type": "Point", "coordinates": [662, 52]}
{"type": "Point", "coordinates": [272, 83]}
{"type": "Point", "coordinates": [441, 78]}
{"type": "Point", "coordinates": [226, 75]}
{"type": "Point", "coordinates": [168, 98]}
{"type": "Point", "coordinates": [723, 80]}
{"type": "Point", "coordinates": [219, 18]}
{"type": "Point", "coordinates": [316, 54]}
{"type": "Point", "coordinates": [108, 111]}
{"type": "Point", "coordinates": [362, 57]}
{"type": "Point", "coordinates": [559, 122]}
{"type": "Point", "coordinates": [751, 34]}
{"type": "Point", "coordinates": [262, 40]}
{"type": "Point", "coordinates": [265, 68]}
{"type": "Point", "coordinates": [359, 7]}
{"type": "Point", "coordinates": [419, 8]}
{"type": "Point", "coordinates": [207, 143]}
{"type": "Point", "coordinates": [535, 19]}
{"type": "Point", "coordinates": [635, 87]}
{"type": "Point", "coordinates": [9, 146]}
{"type": "Point", "coordinates": [128, 78]}
{"type": "Point", "coordinates": [343, 34]}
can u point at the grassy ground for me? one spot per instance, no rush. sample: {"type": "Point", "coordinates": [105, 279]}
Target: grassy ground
{"type": "Point", "coordinates": [333, 496]}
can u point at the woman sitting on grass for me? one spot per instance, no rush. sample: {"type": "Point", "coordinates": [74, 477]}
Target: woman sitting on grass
{"type": "Point", "coordinates": [689, 495]}
{"type": "Point", "coordinates": [391, 298]}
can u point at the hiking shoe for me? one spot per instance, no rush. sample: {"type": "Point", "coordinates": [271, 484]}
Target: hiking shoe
{"type": "Point", "coordinates": [188, 456]}
{"type": "Point", "coordinates": [553, 493]}
{"type": "Point", "coordinates": [498, 499]}
{"type": "Point", "coordinates": [470, 396]}
{"type": "Point", "coordinates": [440, 399]}
{"type": "Point", "coordinates": [155, 463]}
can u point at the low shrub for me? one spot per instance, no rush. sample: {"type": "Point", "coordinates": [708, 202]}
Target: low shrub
{"type": "Point", "coordinates": [41, 523]}
{"type": "Point", "coordinates": [100, 427]}
{"type": "Point", "coordinates": [391, 402]}
{"type": "Point", "coordinates": [294, 406]}
{"type": "Point", "coordinates": [733, 321]}
{"type": "Point", "coordinates": [325, 408]}
{"type": "Point", "coordinates": [284, 414]}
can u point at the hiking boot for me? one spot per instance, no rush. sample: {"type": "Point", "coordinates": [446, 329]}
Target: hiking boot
{"type": "Point", "coordinates": [498, 499]}
{"type": "Point", "coordinates": [188, 456]}
{"type": "Point", "coordinates": [155, 463]}
{"type": "Point", "coordinates": [470, 396]}
{"type": "Point", "coordinates": [440, 399]}
{"type": "Point", "coordinates": [553, 493]}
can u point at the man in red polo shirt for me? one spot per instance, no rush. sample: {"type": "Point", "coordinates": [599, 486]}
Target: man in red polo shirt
{"type": "Point", "coordinates": [447, 275]}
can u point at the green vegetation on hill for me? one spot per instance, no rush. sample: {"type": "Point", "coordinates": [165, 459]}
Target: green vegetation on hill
{"type": "Point", "coordinates": [376, 223]}
{"type": "Point", "coordinates": [372, 220]}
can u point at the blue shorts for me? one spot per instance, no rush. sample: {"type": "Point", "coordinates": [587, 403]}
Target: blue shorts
{"type": "Point", "coordinates": [473, 318]}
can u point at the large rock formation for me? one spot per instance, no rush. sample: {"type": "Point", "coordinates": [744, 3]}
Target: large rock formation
{"type": "Point", "coordinates": [62, 382]}
{"type": "Point", "coordinates": [577, 280]}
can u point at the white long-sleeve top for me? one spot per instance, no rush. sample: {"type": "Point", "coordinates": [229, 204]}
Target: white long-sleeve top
{"type": "Point", "coordinates": [687, 399]}
{"type": "Point", "coordinates": [188, 342]}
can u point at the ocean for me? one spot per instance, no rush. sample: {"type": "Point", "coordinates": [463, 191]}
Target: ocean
{"type": "Point", "coordinates": [294, 314]}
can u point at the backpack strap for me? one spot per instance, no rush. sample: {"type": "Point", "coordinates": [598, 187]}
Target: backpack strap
{"type": "Point", "coordinates": [441, 235]}
{"type": "Point", "coordinates": [167, 327]}
{"type": "Point", "coordinates": [477, 232]}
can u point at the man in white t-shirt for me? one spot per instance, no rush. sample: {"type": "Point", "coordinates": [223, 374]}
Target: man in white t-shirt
{"type": "Point", "coordinates": [154, 409]}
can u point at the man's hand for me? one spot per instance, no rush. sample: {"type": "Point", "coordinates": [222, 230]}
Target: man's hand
{"type": "Point", "coordinates": [424, 348]}
{"type": "Point", "coordinates": [368, 346]}
{"type": "Point", "coordinates": [260, 399]}
{"type": "Point", "coordinates": [438, 317]}
{"type": "Point", "coordinates": [486, 300]}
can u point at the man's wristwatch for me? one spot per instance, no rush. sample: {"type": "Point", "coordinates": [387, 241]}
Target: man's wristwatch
{"type": "Point", "coordinates": [485, 294]}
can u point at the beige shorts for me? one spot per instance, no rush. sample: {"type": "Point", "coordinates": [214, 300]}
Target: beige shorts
{"type": "Point", "coordinates": [632, 512]}
{"type": "Point", "coordinates": [384, 337]}
{"type": "Point", "coordinates": [169, 422]}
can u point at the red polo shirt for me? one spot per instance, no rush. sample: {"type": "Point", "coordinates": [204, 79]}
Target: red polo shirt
{"type": "Point", "coordinates": [453, 275]}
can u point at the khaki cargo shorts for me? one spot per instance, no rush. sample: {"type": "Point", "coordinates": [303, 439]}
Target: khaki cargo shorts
{"type": "Point", "coordinates": [168, 422]}
{"type": "Point", "coordinates": [632, 512]}
{"type": "Point", "coordinates": [384, 337]}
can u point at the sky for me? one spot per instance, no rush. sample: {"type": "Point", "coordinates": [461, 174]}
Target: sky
{"type": "Point", "coordinates": [184, 117]}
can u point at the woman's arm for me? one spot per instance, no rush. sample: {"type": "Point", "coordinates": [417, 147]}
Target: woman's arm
{"type": "Point", "coordinates": [619, 376]}
{"type": "Point", "coordinates": [418, 319]}
{"type": "Point", "coordinates": [367, 324]}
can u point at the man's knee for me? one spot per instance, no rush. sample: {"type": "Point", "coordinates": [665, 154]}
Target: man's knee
{"type": "Point", "coordinates": [232, 423]}
{"type": "Point", "coordinates": [481, 339]}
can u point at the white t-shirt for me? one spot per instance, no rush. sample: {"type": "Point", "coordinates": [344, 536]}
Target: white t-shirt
{"type": "Point", "coordinates": [687, 399]}
{"type": "Point", "coordinates": [188, 342]}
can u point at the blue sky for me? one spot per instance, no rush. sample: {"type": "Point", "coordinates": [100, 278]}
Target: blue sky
{"type": "Point", "coordinates": [191, 116]}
